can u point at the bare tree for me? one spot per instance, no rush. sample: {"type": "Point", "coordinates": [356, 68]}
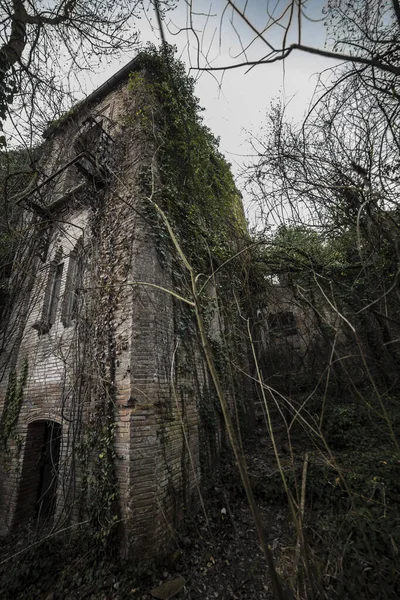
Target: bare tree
{"type": "Point", "coordinates": [44, 45]}
{"type": "Point", "coordinates": [364, 32]}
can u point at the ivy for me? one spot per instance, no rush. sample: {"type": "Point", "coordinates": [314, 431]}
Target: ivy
{"type": "Point", "coordinates": [195, 185]}
{"type": "Point", "coordinates": [12, 404]}
{"type": "Point", "coordinates": [99, 490]}
{"type": "Point", "coordinates": [96, 453]}
{"type": "Point", "coordinates": [15, 171]}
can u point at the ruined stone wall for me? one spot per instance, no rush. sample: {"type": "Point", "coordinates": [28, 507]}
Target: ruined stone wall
{"type": "Point", "coordinates": [293, 339]}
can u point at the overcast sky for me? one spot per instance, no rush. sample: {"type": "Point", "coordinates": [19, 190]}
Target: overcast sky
{"type": "Point", "coordinates": [237, 108]}
{"type": "Point", "coordinates": [236, 101]}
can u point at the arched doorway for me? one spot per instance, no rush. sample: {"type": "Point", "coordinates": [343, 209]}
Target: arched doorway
{"type": "Point", "coordinates": [38, 484]}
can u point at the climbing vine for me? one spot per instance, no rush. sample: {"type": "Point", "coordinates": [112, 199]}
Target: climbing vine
{"type": "Point", "coordinates": [194, 182]}
{"type": "Point", "coordinates": [189, 178]}
{"type": "Point", "coordinates": [183, 171]}
{"type": "Point", "coordinates": [97, 454]}
{"type": "Point", "coordinates": [12, 404]}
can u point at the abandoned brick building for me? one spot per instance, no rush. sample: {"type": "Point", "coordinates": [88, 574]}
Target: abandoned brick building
{"type": "Point", "coordinates": [106, 409]}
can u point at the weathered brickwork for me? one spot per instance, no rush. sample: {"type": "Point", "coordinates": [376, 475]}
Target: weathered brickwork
{"type": "Point", "coordinates": [95, 340]}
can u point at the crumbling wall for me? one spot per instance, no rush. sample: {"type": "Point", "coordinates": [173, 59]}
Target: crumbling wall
{"type": "Point", "coordinates": [125, 376]}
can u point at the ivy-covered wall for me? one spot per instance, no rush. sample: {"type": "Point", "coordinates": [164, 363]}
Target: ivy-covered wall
{"type": "Point", "coordinates": [126, 379]}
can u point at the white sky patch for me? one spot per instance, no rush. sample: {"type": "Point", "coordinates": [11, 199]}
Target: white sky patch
{"type": "Point", "coordinates": [236, 109]}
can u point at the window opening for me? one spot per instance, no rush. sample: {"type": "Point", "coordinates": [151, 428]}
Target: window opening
{"type": "Point", "coordinates": [73, 286]}
{"type": "Point", "coordinates": [76, 287]}
{"type": "Point", "coordinates": [42, 239]}
{"type": "Point", "coordinates": [51, 295]}
{"type": "Point", "coordinates": [55, 293]}
{"type": "Point", "coordinates": [282, 323]}
{"type": "Point", "coordinates": [94, 147]}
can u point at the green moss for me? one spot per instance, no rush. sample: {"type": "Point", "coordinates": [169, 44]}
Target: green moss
{"type": "Point", "coordinates": [12, 404]}
{"type": "Point", "coordinates": [196, 187]}
{"type": "Point", "coordinates": [61, 121]}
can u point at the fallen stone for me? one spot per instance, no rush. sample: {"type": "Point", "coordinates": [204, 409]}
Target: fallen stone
{"type": "Point", "coordinates": [169, 589]}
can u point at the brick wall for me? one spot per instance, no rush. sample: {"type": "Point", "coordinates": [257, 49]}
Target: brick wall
{"type": "Point", "coordinates": [125, 337]}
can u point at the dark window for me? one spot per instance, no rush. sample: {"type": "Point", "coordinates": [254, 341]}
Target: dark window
{"type": "Point", "coordinates": [73, 286]}
{"type": "Point", "coordinates": [76, 287]}
{"type": "Point", "coordinates": [49, 461]}
{"type": "Point", "coordinates": [55, 293]}
{"type": "Point", "coordinates": [94, 147]}
{"type": "Point", "coordinates": [89, 135]}
{"type": "Point", "coordinates": [42, 238]}
{"type": "Point", "coordinates": [282, 323]}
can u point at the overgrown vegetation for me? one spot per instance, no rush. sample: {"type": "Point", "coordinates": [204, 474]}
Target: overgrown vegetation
{"type": "Point", "coordinates": [12, 404]}
{"type": "Point", "coordinates": [193, 182]}
{"type": "Point", "coordinates": [16, 169]}
{"type": "Point", "coordinates": [329, 257]}
{"type": "Point", "coordinates": [318, 292]}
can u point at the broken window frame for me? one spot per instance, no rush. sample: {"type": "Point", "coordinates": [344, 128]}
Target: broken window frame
{"type": "Point", "coordinates": [94, 146]}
